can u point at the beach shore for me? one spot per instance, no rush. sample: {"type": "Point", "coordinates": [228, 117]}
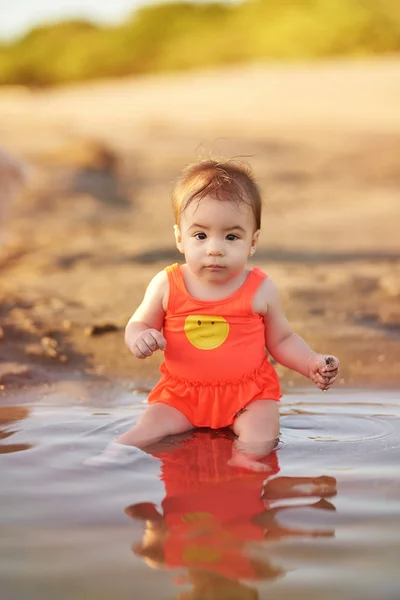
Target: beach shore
{"type": "Point", "coordinates": [94, 222]}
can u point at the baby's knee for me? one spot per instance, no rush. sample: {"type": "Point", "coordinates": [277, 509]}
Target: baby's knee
{"type": "Point", "coordinates": [259, 435]}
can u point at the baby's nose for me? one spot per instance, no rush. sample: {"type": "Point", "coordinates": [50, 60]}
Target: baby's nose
{"type": "Point", "coordinates": [215, 250]}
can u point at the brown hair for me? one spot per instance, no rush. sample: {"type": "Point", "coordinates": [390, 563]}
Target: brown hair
{"type": "Point", "coordinates": [226, 180]}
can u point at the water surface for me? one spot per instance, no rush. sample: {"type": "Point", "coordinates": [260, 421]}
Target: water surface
{"type": "Point", "coordinates": [322, 522]}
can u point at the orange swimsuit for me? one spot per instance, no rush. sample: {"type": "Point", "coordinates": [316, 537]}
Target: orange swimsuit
{"type": "Point", "coordinates": [215, 361]}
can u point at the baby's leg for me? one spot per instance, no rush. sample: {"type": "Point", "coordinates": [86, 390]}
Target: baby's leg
{"type": "Point", "coordinates": [157, 421]}
{"type": "Point", "coordinates": [257, 428]}
{"type": "Point", "coordinates": [258, 423]}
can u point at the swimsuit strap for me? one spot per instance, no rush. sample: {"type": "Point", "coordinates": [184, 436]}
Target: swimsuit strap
{"type": "Point", "coordinates": [176, 282]}
{"type": "Point", "coordinates": [253, 282]}
{"type": "Point", "coordinates": [175, 275]}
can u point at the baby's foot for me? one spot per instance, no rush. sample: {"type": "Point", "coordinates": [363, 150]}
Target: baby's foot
{"type": "Point", "coordinates": [248, 461]}
{"type": "Point", "coordinates": [112, 453]}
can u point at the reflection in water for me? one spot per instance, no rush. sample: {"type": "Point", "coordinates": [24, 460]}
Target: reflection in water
{"type": "Point", "coordinates": [215, 517]}
{"type": "Point", "coordinates": [8, 415]}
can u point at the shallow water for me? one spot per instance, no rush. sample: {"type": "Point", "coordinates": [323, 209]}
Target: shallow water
{"type": "Point", "coordinates": [181, 523]}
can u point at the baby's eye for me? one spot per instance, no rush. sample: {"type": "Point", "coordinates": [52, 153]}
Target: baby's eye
{"type": "Point", "coordinates": [200, 236]}
{"type": "Point", "coordinates": [232, 237]}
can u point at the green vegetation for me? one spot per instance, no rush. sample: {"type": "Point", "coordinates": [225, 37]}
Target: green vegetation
{"type": "Point", "coordinates": [183, 35]}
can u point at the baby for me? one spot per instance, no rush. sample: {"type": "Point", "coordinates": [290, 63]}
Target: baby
{"type": "Point", "coordinates": [215, 320]}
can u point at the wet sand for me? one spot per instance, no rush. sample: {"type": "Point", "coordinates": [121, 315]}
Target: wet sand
{"type": "Point", "coordinates": [94, 224]}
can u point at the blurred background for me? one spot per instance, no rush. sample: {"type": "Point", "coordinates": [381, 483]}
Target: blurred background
{"type": "Point", "coordinates": [105, 103]}
{"type": "Point", "coordinates": [52, 43]}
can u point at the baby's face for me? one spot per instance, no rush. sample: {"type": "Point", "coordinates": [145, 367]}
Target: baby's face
{"type": "Point", "coordinates": [217, 238]}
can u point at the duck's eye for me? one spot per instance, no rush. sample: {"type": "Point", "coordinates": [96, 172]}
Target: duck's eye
{"type": "Point", "coordinates": [212, 322]}
{"type": "Point", "coordinates": [198, 322]}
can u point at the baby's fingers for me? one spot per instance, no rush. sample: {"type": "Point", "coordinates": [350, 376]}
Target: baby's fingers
{"type": "Point", "coordinates": [159, 340]}
{"type": "Point", "coordinates": [141, 349]}
{"type": "Point", "coordinates": [150, 340]}
{"type": "Point", "coordinates": [328, 373]}
{"type": "Point", "coordinates": [324, 380]}
{"type": "Point", "coordinates": [328, 382]}
{"type": "Point", "coordinates": [320, 379]}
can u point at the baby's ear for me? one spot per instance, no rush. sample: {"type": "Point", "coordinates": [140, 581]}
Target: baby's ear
{"type": "Point", "coordinates": [178, 238]}
{"type": "Point", "coordinates": [254, 242]}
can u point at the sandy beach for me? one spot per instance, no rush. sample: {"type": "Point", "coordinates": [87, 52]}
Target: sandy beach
{"type": "Point", "coordinates": [94, 223]}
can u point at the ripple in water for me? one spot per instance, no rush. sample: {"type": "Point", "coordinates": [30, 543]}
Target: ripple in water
{"type": "Point", "coordinates": [343, 429]}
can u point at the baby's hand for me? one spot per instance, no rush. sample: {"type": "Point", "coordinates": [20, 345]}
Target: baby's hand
{"type": "Point", "coordinates": [147, 342]}
{"type": "Point", "coordinates": [323, 370]}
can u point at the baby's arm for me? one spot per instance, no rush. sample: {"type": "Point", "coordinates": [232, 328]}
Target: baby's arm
{"type": "Point", "coordinates": [287, 347]}
{"type": "Point", "coordinates": [143, 331]}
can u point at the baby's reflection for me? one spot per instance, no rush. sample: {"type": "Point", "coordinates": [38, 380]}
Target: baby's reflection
{"type": "Point", "coordinates": [215, 514]}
